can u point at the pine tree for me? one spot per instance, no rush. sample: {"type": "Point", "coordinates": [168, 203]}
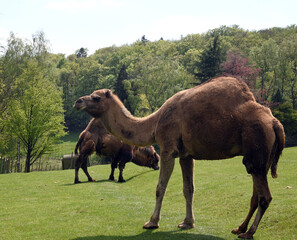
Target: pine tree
{"type": "Point", "coordinates": [82, 52]}
{"type": "Point", "coordinates": [119, 86]}
{"type": "Point", "coordinates": [210, 61]}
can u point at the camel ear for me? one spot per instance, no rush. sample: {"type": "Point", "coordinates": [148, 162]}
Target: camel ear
{"type": "Point", "coordinates": [108, 93]}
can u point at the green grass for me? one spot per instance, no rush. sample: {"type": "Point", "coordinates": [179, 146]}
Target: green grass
{"type": "Point", "coordinates": [67, 145]}
{"type": "Point", "coordinates": [47, 205]}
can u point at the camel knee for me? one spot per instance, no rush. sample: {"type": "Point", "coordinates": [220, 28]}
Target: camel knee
{"type": "Point", "coordinates": [78, 162]}
{"type": "Point", "coordinates": [114, 164]}
{"type": "Point", "coordinates": [264, 202]}
{"type": "Point", "coordinates": [122, 165]}
{"type": "Point", "coordinates": [160, 191]}
{"type": "Point", "coordinates": [189, 190]}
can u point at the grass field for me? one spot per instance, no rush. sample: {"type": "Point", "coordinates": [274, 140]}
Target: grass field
{"type": "Point", "coordinates": [68, 144]}
{"type": "Point", "coordinates": [47, 205]}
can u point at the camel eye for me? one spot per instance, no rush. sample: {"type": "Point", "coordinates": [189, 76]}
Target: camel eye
{"type": "Point", "coordinates": [96, 98]}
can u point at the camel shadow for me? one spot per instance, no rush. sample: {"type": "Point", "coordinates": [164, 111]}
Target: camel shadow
{"type": "Point", "coordinates": [126, 179]}
{"type": "Point", "coordinates": [107, 180]}
{"type": "Point", "coordinates": [139, 174]}
{"type": "Point", "coordinates": [151, 235]}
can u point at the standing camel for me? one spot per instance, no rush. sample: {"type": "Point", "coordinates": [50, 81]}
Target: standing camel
{"type": "Point", "coordinates": [216, 120]}
{"type": "Point", "coordinates": [96, 138]}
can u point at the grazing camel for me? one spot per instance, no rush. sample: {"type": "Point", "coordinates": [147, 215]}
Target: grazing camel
{"type": "Point", "coordinates": [96, 138]}
{"type": "Point", "coordinates": [216, 120]}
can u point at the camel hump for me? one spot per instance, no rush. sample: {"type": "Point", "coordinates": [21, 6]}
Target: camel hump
{"type": "Point", "coordinates": [279, 145]}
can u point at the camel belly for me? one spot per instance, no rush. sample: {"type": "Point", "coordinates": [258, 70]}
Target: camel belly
{"type": "Point", "coordinates": [214, 147]}
{"type": "Point", "coordinates": [206, 153]}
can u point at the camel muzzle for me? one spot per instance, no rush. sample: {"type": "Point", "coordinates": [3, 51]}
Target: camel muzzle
{"type": "Point", "coordinates": [156, 167]}
{"type": "Point", "coordinates": [78, 105]}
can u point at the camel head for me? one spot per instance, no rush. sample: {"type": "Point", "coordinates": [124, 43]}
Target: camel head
{"type": "Point", "coordinates": [95, 104]}
{"type": "Point", "coordinates": [148, 156]}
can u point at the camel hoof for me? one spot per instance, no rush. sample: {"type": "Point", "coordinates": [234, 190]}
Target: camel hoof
{"type": "Point", "coordinates": [245, 235]}
{"type": "Point", "coordinates": [150, 225]}
{"type": "Point", "coordinates": [122, 180]}
{"type": "Point", "coordinates": [77, 181]}
{"type": "Point", "coordinates": [111, 178]}
{"type": "Point", "coordinates": [184, 225]}
{"type": "Point", "coordinates": [237, 231]}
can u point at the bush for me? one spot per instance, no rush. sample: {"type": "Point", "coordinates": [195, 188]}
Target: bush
{"type": "Point", "coordinates": [288, 117]}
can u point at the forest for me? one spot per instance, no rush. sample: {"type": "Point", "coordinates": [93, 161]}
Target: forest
{"type": "Point", "coordinates": [38, 88]}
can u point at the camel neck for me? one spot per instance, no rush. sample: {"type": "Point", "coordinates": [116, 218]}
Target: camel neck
{"type": "Point", "coordinates": [132, 130]}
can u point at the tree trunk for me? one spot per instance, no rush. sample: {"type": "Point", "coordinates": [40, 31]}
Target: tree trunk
{"type": "Point", "coordinates": [28, 158]}
{"type": "Point", "coordinates": [18, 156]}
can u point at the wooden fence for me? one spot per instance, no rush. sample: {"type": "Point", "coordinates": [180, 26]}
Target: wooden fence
{"type": "Point", "coordinates": [42, 164]}
{"type": "Point", "coordinates": [46, 163]}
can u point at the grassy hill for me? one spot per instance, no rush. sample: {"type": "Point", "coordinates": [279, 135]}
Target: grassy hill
{"type": "Point", "coordinates": [47, 205]}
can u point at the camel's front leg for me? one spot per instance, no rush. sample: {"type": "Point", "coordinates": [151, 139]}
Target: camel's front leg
{"type": "Point", "coordinates": [167, 165]}
{"type": "Point", "coordinates": [187, 166]}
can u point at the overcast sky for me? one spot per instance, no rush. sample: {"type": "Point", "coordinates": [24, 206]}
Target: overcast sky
{"type": "Point", "coordinates": [93, 24]}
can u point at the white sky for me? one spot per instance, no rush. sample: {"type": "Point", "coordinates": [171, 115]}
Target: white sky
{"type": "Point", "coordinates": [93, 24]}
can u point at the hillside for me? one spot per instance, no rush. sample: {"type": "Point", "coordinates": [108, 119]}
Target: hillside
{"type": "Point", "coordinates": [47, 205]}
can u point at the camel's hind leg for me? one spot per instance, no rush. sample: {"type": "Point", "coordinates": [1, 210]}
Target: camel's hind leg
{"type": "Point", "coordinates": [253, 206]}
{"type": "Point", "coordinates": [264, 198]}
{"type": "Point", "coordinates": [113, 166]}
{"type": "Point", "coordinates": [122, 165]}
{"type": "Point", "coordinates": [167, 165]}
{"type": "Point", "coordinates": [84, 167]}
{"type": "Point", "coordinates": [78, 164]}
{"type": "Point", "coordinates": [87, 149]}
{"type": "Point", "coordinates": [187, 166]}
{"type": "Point", "coordinates": [260, 199]}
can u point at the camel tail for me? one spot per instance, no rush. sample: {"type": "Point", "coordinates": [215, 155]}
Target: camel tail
{"type": "Point", "coordinates": [77, 145]}
{"type": "Point", "coordinates": [279, 145]}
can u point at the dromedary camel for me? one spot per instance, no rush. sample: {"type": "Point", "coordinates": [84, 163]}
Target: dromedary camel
{"type": "Point", "coordinates": [96, 138]}
{"type": "Point", "coordinates": [215, 120]}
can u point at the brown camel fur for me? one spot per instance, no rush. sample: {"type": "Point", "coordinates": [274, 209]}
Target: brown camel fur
{"type": "Point", "coordinates": [96, 138]}
{"type": "Point", "coordinates": [216, 120]}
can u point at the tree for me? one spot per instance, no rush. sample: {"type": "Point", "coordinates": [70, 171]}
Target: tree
{"type": "Point", "coordinates": [239, 66]}
{"type": "Point", "coordinates": [144, 40]}
{"type": "Point", "coordinates": [288, 117]}
{"type": "Point", "coordinates": [12, 64]}
{"type": "Point", "coordinates": [36, 118]}
{"type": "Point", "coordinates": [289, 67]}
{"type": "Point", "coordinates": [119, 86]}
{"type": "Point", "coordinates": [265, 58]}
{"type": "Point", "coordinates": [210, 61]}
{"type": "Point", "coordinates": [81, 53]}
{"type": "Point", "coordinates": [160, 78]}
